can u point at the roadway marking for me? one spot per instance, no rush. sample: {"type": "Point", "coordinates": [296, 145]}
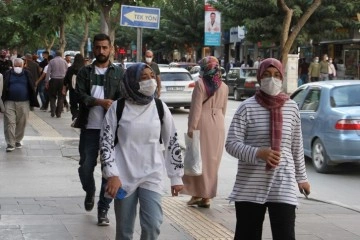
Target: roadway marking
{"type": "Point", "coordinates": [192, 221]}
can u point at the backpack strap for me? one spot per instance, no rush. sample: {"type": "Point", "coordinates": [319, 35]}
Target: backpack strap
{"type": "Point", "coordinates": [119, 109]}
{"type": "Point", "coordinates": [160, 109]}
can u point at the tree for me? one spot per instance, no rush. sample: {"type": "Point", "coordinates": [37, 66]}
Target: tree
{"type": "Point", "coordinates": [181, 26]}
{"type": "Point", "coordinates": [283, 21]}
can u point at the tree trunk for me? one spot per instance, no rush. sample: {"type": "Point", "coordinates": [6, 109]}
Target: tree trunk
{"type": "Point", "coordinates": [85, 37]}
{"type": "Point", "coordinates": [287, 40]}
{"type": "Point", "coordinates": [62, 40]}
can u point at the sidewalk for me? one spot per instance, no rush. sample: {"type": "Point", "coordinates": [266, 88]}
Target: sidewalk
{"type": "Point", "coordinates": [41, 198]}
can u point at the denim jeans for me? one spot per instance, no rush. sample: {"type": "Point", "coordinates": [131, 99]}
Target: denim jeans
{"type": "Point", "coordinates": [250, 218]}
{"type": "Point", "coordinates": [89, 152]}
{"type": "Point", "coordinates": [151, 215]}
{"type": "Point", "coordinates": [40, 90]}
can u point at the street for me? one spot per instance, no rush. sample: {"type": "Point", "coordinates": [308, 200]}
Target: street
{"type": "Point", "coordinates": [339, 187]}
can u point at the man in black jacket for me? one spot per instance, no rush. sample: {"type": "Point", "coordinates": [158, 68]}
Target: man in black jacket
{"type": "Point", "coordinates": [97, 86]}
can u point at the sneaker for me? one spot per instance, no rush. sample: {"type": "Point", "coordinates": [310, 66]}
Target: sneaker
{"type": "Point", "coordinates": [18, 145]}
{"type": "Point", "coordinates": [10, 148]}
{"type": "Point", "coordinates": [103, 220]}
{"type": "Point", "coordinates": [89, 201]}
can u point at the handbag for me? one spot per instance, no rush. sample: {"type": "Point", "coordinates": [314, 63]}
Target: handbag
{"type": "Point", "coordinates": [192, 160]}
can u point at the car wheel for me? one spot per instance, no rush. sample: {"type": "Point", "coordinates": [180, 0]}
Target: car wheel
{"type": "Point", "coordinates": [237, 96]}
{"type": "Point", "coordinates": [319, 156]}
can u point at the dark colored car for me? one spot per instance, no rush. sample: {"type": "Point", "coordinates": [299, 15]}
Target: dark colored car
{"type": "Point", "coordinates": [330, 122]}
{"type": "Point", "coordinates": [242, 82]}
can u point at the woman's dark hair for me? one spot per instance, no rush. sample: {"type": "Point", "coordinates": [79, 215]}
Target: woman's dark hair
{"type": "Point", "coordinates": [101, 37]}
{"type": "Point", "coordinates": [78, 62]}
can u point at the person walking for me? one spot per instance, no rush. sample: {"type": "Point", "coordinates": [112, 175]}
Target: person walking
{"type": "Point", "coordinates": [41, 90]}
{"type": "Point", "coordinates": [207, 114]}
{"type": "Point", "coordinates": [265, 136]}
{"type": "Point", "coordinates": [146, 146]}
{"type": "Point", "coordinates": [18, 95]}
{"type": "Point", "coordinates": [314, 70]}
{"type": "Point", "coordinates": [332, 70]}
{"type": "Point", "coordinates": [2, 107]}
{"type": "Point", "coordinates": [149, 57]}
{"type": "Point", "coordinates": [33, 67]}
{"type": "Point", "coordinates": [97, 86]}
{"type": "Point", "coordinates": [70, 83]}
{"type": "Point", "coordinates": [324, 68]}
{"type": "Point", "coordinates": [55, 74]}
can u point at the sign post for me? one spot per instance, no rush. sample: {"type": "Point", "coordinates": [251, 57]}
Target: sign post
{"type": "Point", "coordinates": [140, 17]}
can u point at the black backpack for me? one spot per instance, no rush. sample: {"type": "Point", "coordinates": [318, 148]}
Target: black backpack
{"type": "Point", "coordinates": [120, 107]}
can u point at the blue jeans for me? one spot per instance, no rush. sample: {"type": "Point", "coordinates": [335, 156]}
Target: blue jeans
{"type": "Point", "coordinates": [41, 91]}
{"type": "Point", "coordinates": [151, 215]}
{"type": "Point", "coordinates": [89, 152]}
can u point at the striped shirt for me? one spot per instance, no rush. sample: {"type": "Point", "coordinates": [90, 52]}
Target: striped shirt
{"type": "Point", "coordinates": [249, 130]}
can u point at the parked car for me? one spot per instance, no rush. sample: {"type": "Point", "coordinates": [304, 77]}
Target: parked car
{"type": "Point", "coordinates": [177, 86]}
{"type": "Point", "coordinates": [242, 82]}
{"type": "Point", "coordinates": [195, 72]}
{"type": "Point", "coordinates": [330, 122]}
{"type": "Point", "coordinates": [125, 64]}
{"type": "Point", "coordinates": [186, 65]}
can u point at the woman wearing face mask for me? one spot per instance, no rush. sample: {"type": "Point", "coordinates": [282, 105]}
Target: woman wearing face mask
{"type": "Point", "coordinates": [137, 162]}
{"type": "Point", "coordinates": [265, 136]}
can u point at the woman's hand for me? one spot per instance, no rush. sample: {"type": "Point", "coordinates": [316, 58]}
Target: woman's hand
{"type": "Point", "coordinates": [190, 134]}
{"type": "Point", "coordinates": [113, 185]}
{"type": "Point", "coordinates": [271, 157]}
{"type": "Point", "coordinates": [176, 189]}
{"type": "Point", "coordinates": [304, 188]}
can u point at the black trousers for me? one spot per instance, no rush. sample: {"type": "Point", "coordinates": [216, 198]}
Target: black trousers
{"type": "Point", "coordinates": [55, 93]}
{"type": "Point", "coordinates": [250, 218]}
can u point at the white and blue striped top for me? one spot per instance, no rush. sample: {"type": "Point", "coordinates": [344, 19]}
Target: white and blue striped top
{"type": "Point", "coordinates": [249, 130]}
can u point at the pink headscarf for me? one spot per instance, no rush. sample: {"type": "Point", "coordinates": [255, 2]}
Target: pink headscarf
{"type": "Point", "coordinates": [267, 63]}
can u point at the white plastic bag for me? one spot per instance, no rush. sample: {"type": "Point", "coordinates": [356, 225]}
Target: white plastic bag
{"type": "Point", "coordinates": [192, 160]}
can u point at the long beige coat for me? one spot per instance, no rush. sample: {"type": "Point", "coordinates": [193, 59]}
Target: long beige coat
{"type": "Point", "coordinates": [209, 118]}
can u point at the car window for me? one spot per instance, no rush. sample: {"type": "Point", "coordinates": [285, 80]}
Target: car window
{"type": "Point", "coordinates": [345, 96]}
{"type": "Point", "coordinates": [312, 100]}
{"type": "Point", "coordinates": [175, 76]}
{"type": "Point", "coordinates": [298, 96]}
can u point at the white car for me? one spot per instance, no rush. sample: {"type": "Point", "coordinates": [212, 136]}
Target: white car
{"type": "Point", "coordinates": [177, 87]}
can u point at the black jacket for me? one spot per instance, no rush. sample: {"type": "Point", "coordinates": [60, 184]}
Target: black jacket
{"type": "Point", "coordinates": [84, 82]}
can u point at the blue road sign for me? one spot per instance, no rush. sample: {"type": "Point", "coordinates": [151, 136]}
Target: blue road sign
{"type": "Point", "coordinates": [142, 17]}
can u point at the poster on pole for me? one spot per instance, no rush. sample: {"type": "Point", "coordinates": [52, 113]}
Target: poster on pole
{"type": "Point", "coordinates": [212, 27]}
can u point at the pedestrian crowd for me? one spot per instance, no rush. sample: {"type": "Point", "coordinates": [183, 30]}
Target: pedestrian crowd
{"type": "Point", "coordinates": [326, 69]}
{"type": "Point", "coordinates": [123, 121]}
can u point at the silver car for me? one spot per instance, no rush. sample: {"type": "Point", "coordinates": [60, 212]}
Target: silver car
{"type": "Point", "coordinates": [330, 122]}
{"type": "Point", "coordinates": [177, 86]}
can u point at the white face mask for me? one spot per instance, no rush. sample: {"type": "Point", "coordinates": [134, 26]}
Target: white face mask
{"type": "Point", "coordinates": [271, 86]}
{"type": "Point", "coordinates": [18, 70]}
{"type": "Point", "coordinates": [148, 87]}
{"type": "Point", "coordinates": [148, 60]}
